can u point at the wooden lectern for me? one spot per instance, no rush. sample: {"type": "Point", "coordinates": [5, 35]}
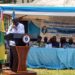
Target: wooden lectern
{"type": "Point", "coordinates": [19, 60]}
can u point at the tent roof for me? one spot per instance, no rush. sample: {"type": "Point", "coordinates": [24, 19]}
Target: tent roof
{"type": "Point", "coordinates": [25, 8]}
{"type": "Point", "coordinates": [38, 10]}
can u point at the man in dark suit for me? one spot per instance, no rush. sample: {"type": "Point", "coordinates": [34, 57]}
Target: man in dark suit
{"type": "Point", "coordinates": [44, 29]}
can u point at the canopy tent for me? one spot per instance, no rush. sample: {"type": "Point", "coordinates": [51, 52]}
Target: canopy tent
{"type": "Point", "coordinates": [38, 10]}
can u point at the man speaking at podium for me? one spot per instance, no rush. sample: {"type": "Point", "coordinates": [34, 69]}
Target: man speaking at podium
{"type": "Point", "coordinates": [15, 28]}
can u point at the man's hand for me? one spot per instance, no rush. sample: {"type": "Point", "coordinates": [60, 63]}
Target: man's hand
{"type": "Point", "coordinates": [13, 26]}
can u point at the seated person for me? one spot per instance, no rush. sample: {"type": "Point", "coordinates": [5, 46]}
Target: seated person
{"type": "Point", "coordinates": [54, 42]}
{"type": "Point", "coordinates": [39, 42]}
{"type": "Point", "coordinates": [45, 40]}
{"type": "Point", "coordinates": [63, 42]}
{"type": "Point", "coordinates": [48, 44]}
{"type": "Point", "coordinates": [71, 43]}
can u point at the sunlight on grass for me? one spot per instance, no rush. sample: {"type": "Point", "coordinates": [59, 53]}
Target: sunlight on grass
{"type": "Point", "coordinates": [53, 72]}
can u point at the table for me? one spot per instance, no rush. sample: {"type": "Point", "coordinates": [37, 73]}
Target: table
{"type": "Point", "coordinates": [51, 58]}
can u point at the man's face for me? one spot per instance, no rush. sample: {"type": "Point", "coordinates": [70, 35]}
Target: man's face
{"type": "Point", "coordinates": [44, 27]}
{"type": "Point", "coordinates": [15, 22]}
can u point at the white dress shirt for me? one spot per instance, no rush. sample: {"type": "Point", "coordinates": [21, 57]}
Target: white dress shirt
{"type": "Point", "coordinates": [48, 45]}
{"type": "Point", "coordinates": [19, 29]}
